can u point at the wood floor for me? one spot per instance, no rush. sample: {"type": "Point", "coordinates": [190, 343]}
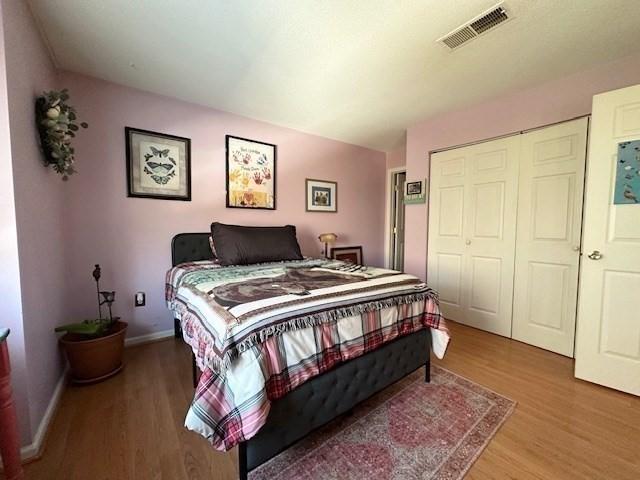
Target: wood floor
{"type": "Point", "coordinates": [130, 427]}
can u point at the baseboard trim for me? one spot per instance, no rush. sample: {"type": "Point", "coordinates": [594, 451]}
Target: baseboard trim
{"type": "Point", "coordinates": [33, 450]}
{"type": "Point", "coordinates": [148, 338]}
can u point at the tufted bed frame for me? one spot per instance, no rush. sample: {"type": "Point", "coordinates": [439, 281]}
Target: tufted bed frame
{"type": "Point", "coordinates": [325, 397]}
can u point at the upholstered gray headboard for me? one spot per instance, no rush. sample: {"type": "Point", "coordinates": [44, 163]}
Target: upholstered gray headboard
{"type": "Point", "coordinates": [190, 247]}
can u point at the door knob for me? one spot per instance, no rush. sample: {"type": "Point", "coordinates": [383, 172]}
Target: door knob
{"type": "Point", "coordinates": [595, 255]}
{"type": "Point", "coordinates": [468, 242]}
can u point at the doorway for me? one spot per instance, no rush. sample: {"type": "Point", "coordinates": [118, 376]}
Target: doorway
{"type": "Point", "coordinates": [396, 221]}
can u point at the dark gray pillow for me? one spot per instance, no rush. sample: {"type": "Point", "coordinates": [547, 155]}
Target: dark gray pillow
{"type": "Point", "coordinates": [238, 245]}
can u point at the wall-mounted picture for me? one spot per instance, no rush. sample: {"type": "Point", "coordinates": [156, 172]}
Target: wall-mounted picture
{"type": "Point", "coordinates": [322, 195]}
{"type": "Point", "coordinates": [347, 254]}
{"type": "Point", "coordinates": [628, 174]}
{"type": "Point", "coordinates": [158, 165]}
{"type": "Point", "coordinates": [415, 192]}
{"type": "Point", "coordinates": [414, 188]}
{"type": "Point", "coordinates": [251, 174]}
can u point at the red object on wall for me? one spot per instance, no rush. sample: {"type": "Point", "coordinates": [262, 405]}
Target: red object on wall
{"type": "Point", "coordinates": [9, 436]}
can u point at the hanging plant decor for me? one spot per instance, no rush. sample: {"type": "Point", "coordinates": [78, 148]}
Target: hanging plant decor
{"type": "Point", "coordinates": [57, 127]}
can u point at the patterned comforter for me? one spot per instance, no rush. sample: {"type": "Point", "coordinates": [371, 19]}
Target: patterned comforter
{"type": "Point", "coordinates": [259, 331]}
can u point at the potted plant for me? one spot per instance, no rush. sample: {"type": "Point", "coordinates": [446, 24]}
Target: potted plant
{"type": "Point", "coordinates": [94, 347]}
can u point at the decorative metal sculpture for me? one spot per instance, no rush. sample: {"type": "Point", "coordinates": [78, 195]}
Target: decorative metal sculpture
{"type": "Point", "coordinates": [108, 297]}
{"type": "Point", "coordinates": [100, 325]}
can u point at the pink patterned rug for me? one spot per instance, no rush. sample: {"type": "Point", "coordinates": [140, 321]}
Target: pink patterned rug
{"type": "Point", "coordinates": [412, 430]}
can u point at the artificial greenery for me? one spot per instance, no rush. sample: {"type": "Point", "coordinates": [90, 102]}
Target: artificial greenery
{"type": "Point", "coordinates": [57, 125]}
{"type": "Point", "coordinates": [91, 328]}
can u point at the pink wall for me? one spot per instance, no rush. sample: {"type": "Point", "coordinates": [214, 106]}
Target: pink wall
{"type": "Point", "coordinates": [130, 237]}
{"type": "Point", "coordinates": [397, 158]}
{"type": "Point", "coordinates": [10, 304]}
{"type": "Point", "coordinates": [554, 101]}
{"type": "Point", "coordinates": [39, 203]}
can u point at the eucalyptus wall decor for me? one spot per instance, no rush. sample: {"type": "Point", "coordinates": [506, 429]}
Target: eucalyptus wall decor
{"type": "Point", "coordinates": [57, 125]}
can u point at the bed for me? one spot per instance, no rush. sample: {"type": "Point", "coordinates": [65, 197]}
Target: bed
{"type": "Point", "coordinates": [316, 389]}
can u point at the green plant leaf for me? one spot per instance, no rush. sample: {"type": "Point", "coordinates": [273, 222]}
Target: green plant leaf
{"type": "Point", "coordinates": [80, 328]}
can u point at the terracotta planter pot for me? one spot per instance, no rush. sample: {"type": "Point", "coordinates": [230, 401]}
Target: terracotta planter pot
{"type": "Point", "coordinates": [95, 359]}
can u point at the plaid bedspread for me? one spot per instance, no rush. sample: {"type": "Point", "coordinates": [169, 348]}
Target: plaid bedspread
{"type": "Point", "coordinates": [257, 335]}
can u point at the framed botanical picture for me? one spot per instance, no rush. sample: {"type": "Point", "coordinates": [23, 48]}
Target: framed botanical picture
{"type": "Point", "coordinates": [158, 165]}
{"type": "Point", "coordinates": [414, 188]}
{"type": "Point", "coordinates": [251, 174]}
{"type": "Point", "coordinates": [322, 195]}
{"type": "Point", "coordinates": [347, 254]}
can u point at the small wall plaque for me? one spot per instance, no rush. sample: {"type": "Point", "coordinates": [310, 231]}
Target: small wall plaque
{"type": "Point", "coordinates": [415, 192]}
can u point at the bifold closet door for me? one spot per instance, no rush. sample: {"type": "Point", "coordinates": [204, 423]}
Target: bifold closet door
{"type": "Point", "coordinates": [472, 219]}
{"type": "Point", "coordinates": [552, 165]}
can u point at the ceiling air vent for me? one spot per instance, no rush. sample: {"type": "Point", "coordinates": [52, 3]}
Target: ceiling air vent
{"type": "Point", "coordinates": [475, 27]}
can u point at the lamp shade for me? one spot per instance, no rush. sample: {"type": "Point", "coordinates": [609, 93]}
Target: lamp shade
{"type": "Point", "coordinates": [328, 237]}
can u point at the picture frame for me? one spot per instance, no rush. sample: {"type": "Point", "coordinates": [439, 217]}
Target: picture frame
{"type": "Point", "coordinates": [415, 192]}
{"type": "Point", "coordinates": [321, 195]}
{"type": "Point", "coordinates": [158, 165]}
{"type": "Point", "coordinates": [347, 254]}
{"type": "Point", "coordinates": [250, 179]}
{"type": "Point", "coordinates": [627, 180]}
{"type": "Point", "coordinates": [414, 188]}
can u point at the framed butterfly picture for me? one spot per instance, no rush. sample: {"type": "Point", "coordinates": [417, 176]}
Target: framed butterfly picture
{"type": "Point", "coordinates": [158, 165]}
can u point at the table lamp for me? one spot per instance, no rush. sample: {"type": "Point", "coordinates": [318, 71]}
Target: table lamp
{"type": "Point", "coordinates": [327, 238]}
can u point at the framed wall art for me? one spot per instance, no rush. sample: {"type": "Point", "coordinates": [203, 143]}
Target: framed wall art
{"type": "Point", "coordinates": [347, 254]}
{"type": "Point", "coordinates": [627, 189]}
{"type": "Point", "coordinates": [158, 165]}
{"type": "Point", "coordinates": [251, 174]}
{"type": "Point", "coordinates": [414, 188]}
{"type": "Point", "coordinates": [322, 196]}
{"type": "Point", "coordinates": [415, 192]}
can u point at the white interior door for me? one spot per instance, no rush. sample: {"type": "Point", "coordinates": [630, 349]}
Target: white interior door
{"type": "Point", "coordinates": [472, 232]}
{"type": "Point", "coordinates": [552, 163]}
{"type": "Point", "coordinates": [446, 252]}
{"type": "Point", "coordinates": [608, 326]}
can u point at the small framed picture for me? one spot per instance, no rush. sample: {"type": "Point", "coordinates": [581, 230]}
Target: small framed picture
{"type": "Point", "coordinates": [158, 165]}
{"type": "Point", "coordinates": [627, 186]}
{"type": "Point", "coordinates": [322, 195]}
{"type": "Point", "coordinates": [347, 254]}
{"type": "Point", "coordinates": [414, 188]}
{"type": "Point", "coordinates": [251, 174]}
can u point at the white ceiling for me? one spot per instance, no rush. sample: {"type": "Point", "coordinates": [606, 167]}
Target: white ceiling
{"type": "Point", "coordinates": [360, 71]}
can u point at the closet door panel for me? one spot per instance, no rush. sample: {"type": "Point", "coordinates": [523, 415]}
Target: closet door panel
{"type": "Point", "coordinates": [445, 270]}
{"type": "Point", "coordinates": [472, 232]}
{"type": "Point", "coordinates": [548, 236]}
{"type": "Point", "coordinates": [490, 234]}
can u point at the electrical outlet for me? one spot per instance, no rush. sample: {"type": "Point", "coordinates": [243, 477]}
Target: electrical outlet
{"type": "Point", "coordinates": [140, 299]}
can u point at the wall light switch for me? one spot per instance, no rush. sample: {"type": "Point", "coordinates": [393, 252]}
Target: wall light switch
{"type": "Point", "coordinates": [140, 299]}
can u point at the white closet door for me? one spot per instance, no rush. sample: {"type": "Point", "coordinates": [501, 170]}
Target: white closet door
{"type": "Point", "coordinates": [552, 163]}
{"type": "Point", "coordinates": [472, 232]}
{"type": "Point", "coordinates": [608, 330]}
{"type": "Point", "coordinates": [446, 248]}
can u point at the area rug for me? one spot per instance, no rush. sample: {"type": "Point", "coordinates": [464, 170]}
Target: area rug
{"type": "Point", "coordinates": [412, 430]}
